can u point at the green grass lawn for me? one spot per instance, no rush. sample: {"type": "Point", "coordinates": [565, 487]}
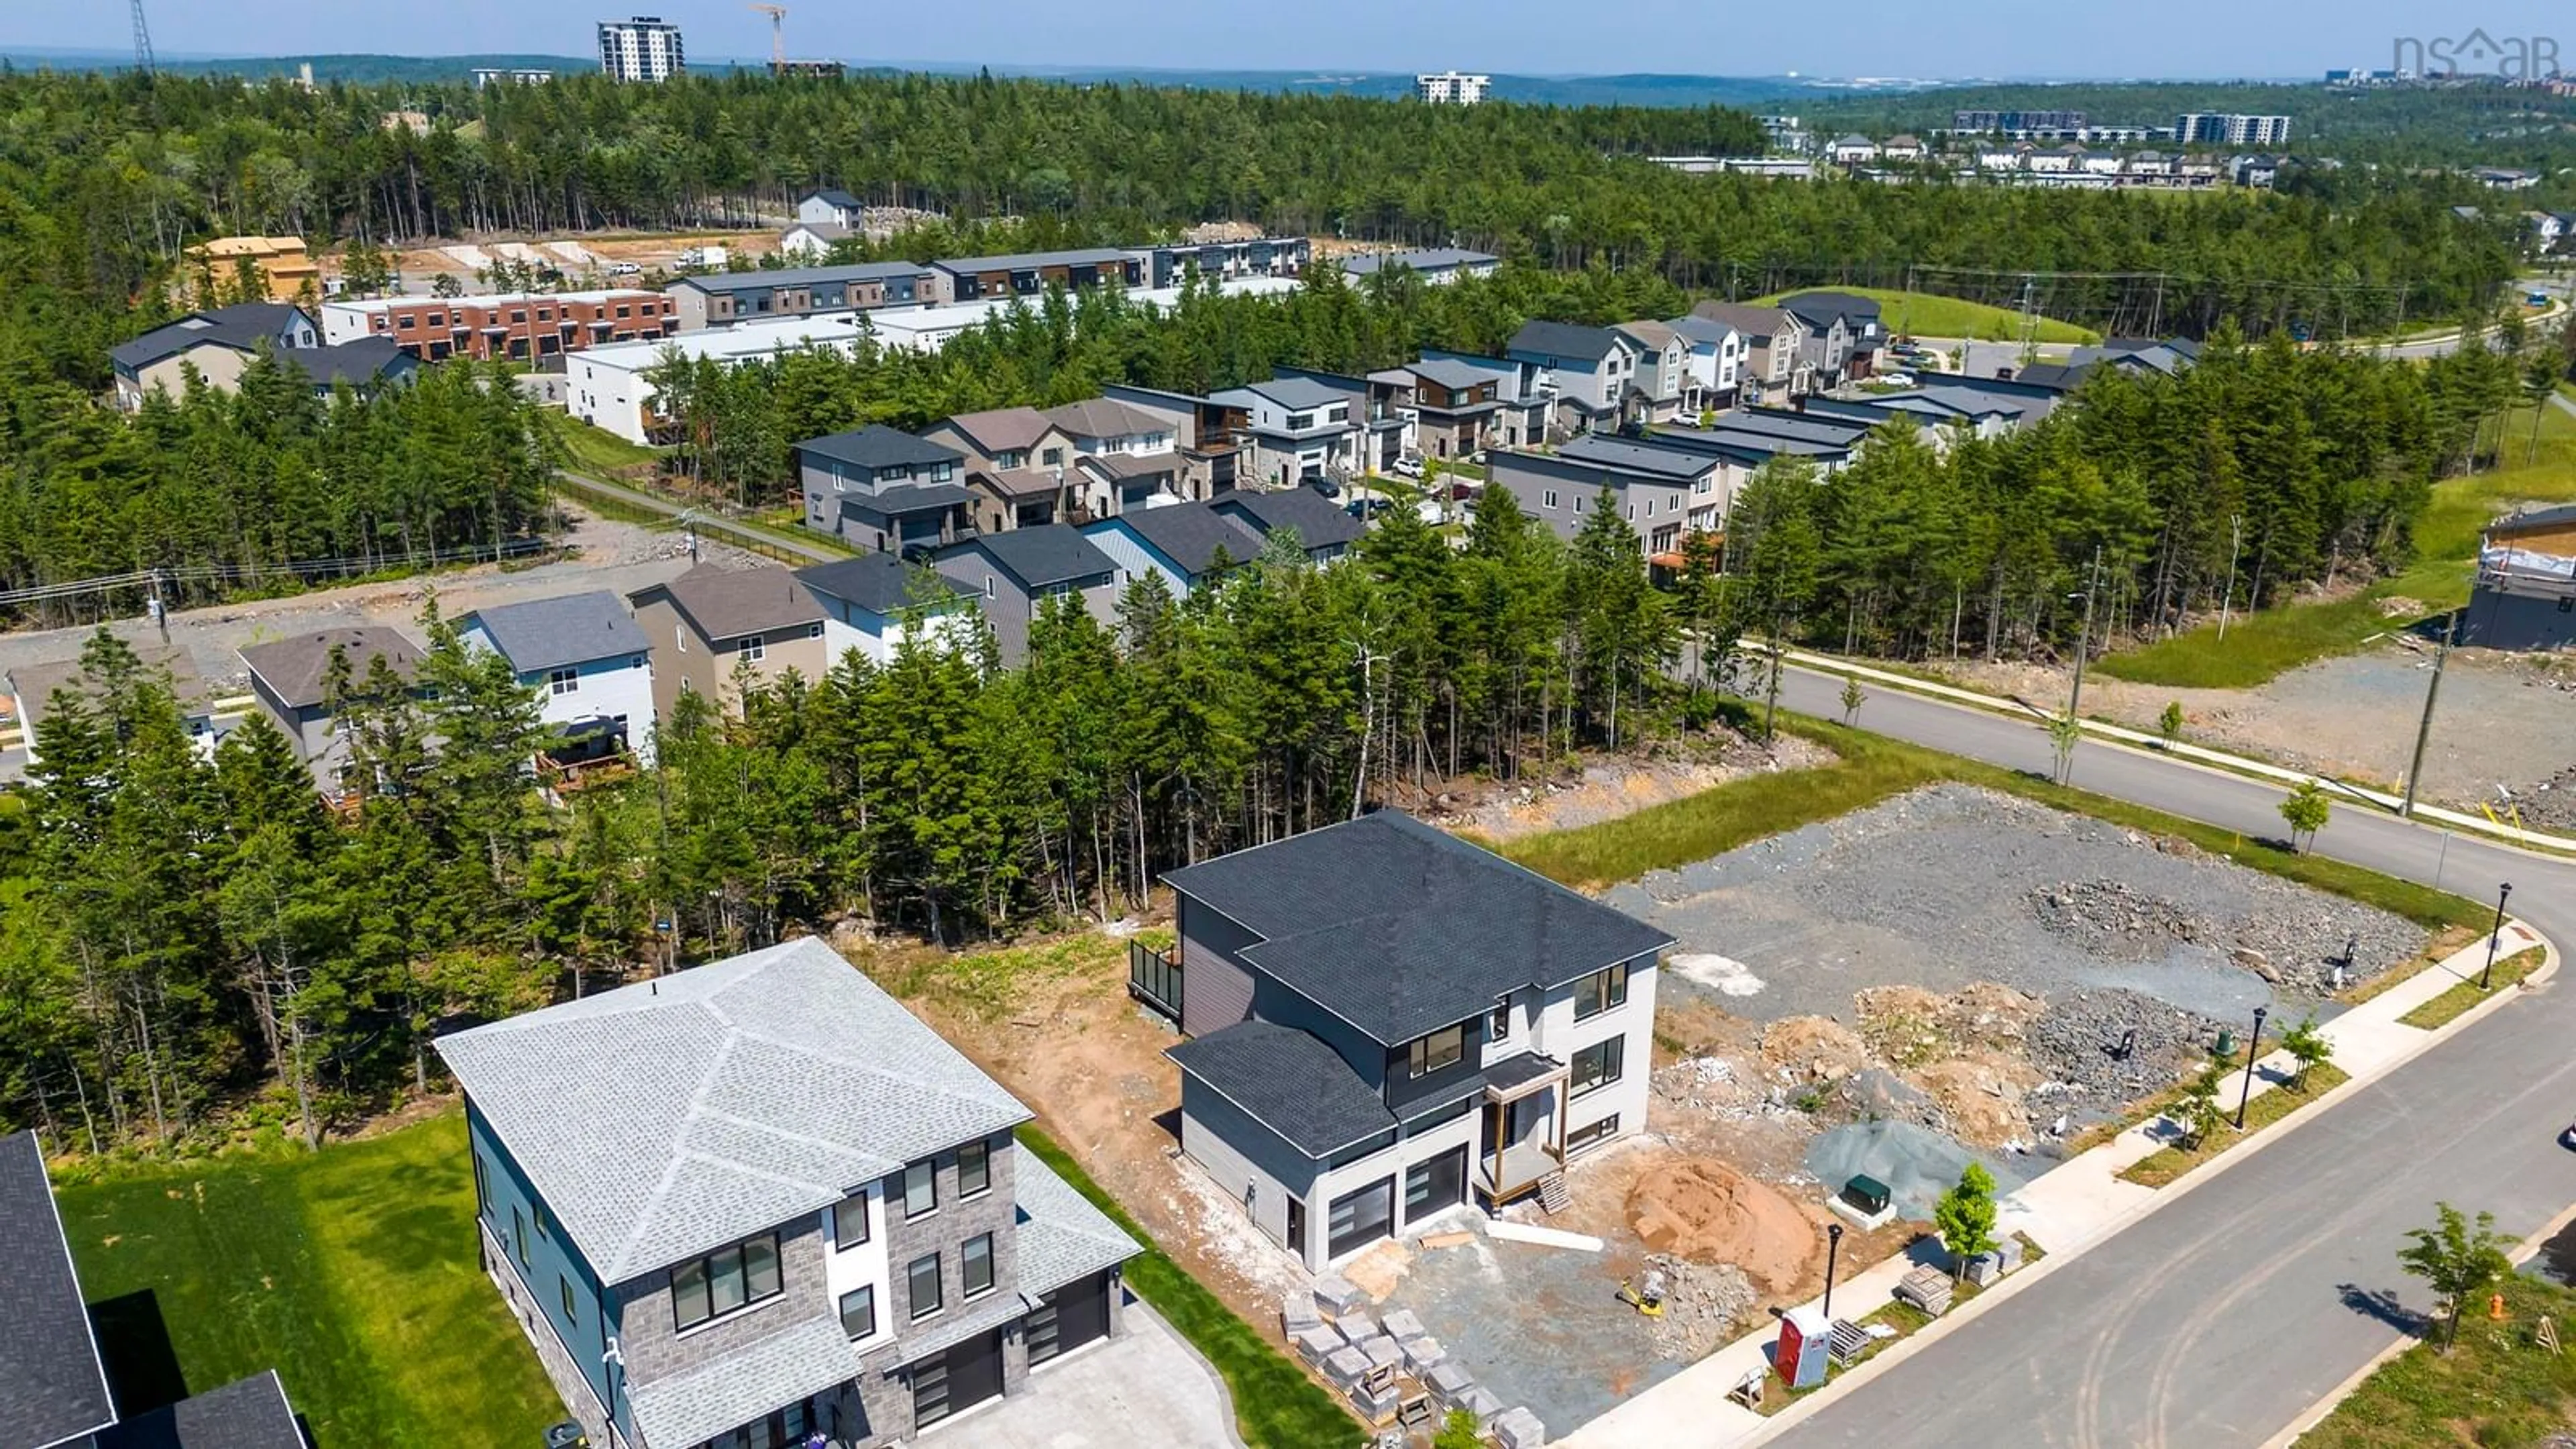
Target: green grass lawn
{"type": "Point", "coordinates": [2261, 646]}
{"type": "Point", "coordinates": [2168, 1164]}
{"type": "Point", "coordinates": [351, 1271]}
{"type": "Point", "coordinates": [1927, 314]}
{"type": "Point", "coordinates": [2448, 1006]}
{"type": "Point", "coordinates": [596, 450]}
{"type": "Point", "coordinates": [2497, 1387]}
{"type": "Point", "coordinates": [1276, 1406]}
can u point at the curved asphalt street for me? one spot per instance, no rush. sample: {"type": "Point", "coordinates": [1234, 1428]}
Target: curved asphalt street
{"type": "Point", "coordinates": [2219, 1318]}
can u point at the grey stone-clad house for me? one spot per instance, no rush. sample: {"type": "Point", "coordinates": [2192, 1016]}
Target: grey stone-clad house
{"type": "Point", "coordinates": [55, 1384]}
{"type": "Point", "coordinates": [758, 1201]}
{"type": "Point", "coordinates": [1388, 1024]}
{"type": "Point", "coordinates": [883, 489]}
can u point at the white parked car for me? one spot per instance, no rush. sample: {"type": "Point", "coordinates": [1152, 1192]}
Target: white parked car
{"type": "Point", "coordinates": [1407, 466]}
{"type": "Point", "coordinates": [1897, 379]}
{"type": "Point", "coordinates": [624, 269]}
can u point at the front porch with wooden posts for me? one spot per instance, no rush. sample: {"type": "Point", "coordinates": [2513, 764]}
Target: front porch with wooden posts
{"type": "Point", "coordinates": [1522, 1145]}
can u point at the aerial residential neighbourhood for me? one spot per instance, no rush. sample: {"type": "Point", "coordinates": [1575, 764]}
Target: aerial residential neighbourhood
{"type": "Point", "coordinates": [778, 728]}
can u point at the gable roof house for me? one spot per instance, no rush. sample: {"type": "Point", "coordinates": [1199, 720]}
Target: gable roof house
{"type": "Point", "coordinates": [1011, 575]}
{"type": "Point", "coordinates": [33, 689]}
{"type": "Point", "coordinates": [54, 1380]}
{"type": "Point", "coordinates": [1457, 408]}
{"type": "Point", "coordinates": [872, 603]}
{"type": "Point", "coordinates": [1387, 1023]}
{"type": "Point", "coordinates": [1324, 530]}
{"type": "Point", "coordinates": [1211, 437]}
{"type": "Point", "coordinates": [789, 1205]}
{"type": "Point", "coordinates": [218, 342]}
{"type": "Point", "coordinates": [1774, 357]}
{"type": "Point", "coordinates": [1714, 354]}
{"type": "Point", "coordinates": [1017, 465]}
{"type": "Point", "coordinates": [1587, 369]}
{"type": "Point", "coordinates": [1297, 430]}
{"type": "Point", "coordinates": [1661, 389]}
{"type": "Point", "coordinates": [883, 489]}
{"type": "Point", "coordinates": [291, 680]}
{"type": "Point", "coordinates": [712, 625]}
{"type": "Point", "coordinates": [1189, 544]}
{"type": "Point", "coordinates": [828, 206]}
{"type": "Point", "coordinates": [1661, 491]}
{"type": "Point", "coordinates": [1863, 331]}
{"type": "Point", "coordinates": [591, 662]}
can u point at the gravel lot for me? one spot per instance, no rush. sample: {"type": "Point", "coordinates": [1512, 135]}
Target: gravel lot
{"type": "Point", "coordinates": [1949, 885]}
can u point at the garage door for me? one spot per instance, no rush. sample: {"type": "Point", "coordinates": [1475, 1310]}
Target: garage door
{"type": "Point", "coordinates": [1068, 1318]}
{"type": "Point", "coordinates": [959, 1379]}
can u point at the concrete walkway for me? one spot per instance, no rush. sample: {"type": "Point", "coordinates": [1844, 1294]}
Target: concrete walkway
{"type": "Point", "coordinates": [2066, 1210]}
{"type": "Point", "coordinates": [1147, 1386]}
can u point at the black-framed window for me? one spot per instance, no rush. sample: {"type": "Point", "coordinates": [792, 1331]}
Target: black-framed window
{"type": "Point", "coordinates": [850, 1222]}
{"type": "Point", "coordinates": [1592, 1134]}
{"type": "Point", "coordinates": [1597, 1066]}
{"type": "Point", "coordinates": [859, 1312]}
{"type": "Point", "coordinates": [920, 1188]}
{"type": "Point", "coordinates": [1601, 991]}
{"type": "Point", "coordinates": [724, 1281]}
{"type": "Point", "coordinates": [923, 1275]}
{"type": "Point", "coordinates": [1361, 1216]}
{"type": "Point", "coordinates": [975, 1264]}
{"type": "Point", "coordinates": [1442, 1048]}
{"type": "Point", "coordinates": [519, 1234]}
{"type": "Point", "coordinates": [572, 1314]}
{"type": "Point", "coordinates": [974, 1169]}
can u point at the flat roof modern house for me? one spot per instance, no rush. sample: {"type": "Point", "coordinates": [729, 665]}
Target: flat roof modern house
{"type": "Point", "coordinates": [1388, 1024]}
{"type": "Point", "coordinates": [758, 1200]}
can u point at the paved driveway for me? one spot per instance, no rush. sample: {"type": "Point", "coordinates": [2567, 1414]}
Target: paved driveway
{"type": "Point", "coordinates": [1144, 1387]}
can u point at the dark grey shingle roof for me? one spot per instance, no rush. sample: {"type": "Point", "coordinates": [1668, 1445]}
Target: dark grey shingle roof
{"type": "Point", "coordinates": [1425, 259]}
{"type": "Point", "coordinates": [51, 1385]}
{"type": "Point", "coordinates": [1053, 553]}
{"type": "Point", "coordinates": [880, 583]}
{"type": "Point", "coordinates": [761, 281]}
{"type": "Point", "coordinates": [293, 668]}
{"type": "Point", "coordinates": [242, 327]}
{"type": "Point", "coordinates": [1564, 339]}
{"type": "Point", "coordinates": [719, 1102]}
{"type": "Point", "coordinates": [1290, 1082]}
{"type": "Point", "coordinates": [1399, 928]}
{"type": "Point", "coordinates": [1293, 391]}
{"type": "Point", "coordinates": [1818, 309]}
{"type": "Point", "coordinates": [1669, 464]}
{"type": "Point", "coordinates": [832, 195]}
{"type": "Point", "coordinates": [878, 446]}
{"type": "Point", "coordinates": [906, 498]}
{"type": "Point", "coordinates": [1320, 523]}
{"type": "Point", "coordinates": [249, 1413]}
{"type": "Point", "coordinates": [1189, 534]}
{"type": "Point", "coordinates": [567, 629]}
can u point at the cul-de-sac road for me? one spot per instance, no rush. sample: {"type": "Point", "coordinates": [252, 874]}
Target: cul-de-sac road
{"type": "Point", "coordinates": [2221, 1317]}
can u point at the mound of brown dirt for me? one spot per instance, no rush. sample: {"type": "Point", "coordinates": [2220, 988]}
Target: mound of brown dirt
{"type": "Point", "coordinates": [1813, 1049]}
{"type": "Point", "coordinates": [1981, 1096]}
{"type": "Point", "coordinates": [1710, 1213]}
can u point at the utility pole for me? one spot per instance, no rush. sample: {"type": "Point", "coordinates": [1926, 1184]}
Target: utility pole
{"type": "Point", "coordinates": [142, 41]}
{"type": "Point", "coordinates": [2084, 641]}
{"type": "Point", "coordinates": [2235, 547]}
{"type": "Point", "coordinates": [2424, 731]}
{"type": "Point", "coordinates": [2029, 317]}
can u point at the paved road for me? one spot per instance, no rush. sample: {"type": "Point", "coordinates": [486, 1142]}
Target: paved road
{"type": "Point", "coordinates": [2218, 1319]}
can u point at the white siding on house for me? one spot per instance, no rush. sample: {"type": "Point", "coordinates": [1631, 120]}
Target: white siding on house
{"type": "Point", "coordinates": [619, 687]}
{"type": "Point", "coordinates": [1133, 558]}
{"type": "Point", "coordinates": [1393, 1162]}
{"type": "Point", "coordinates": [1560, 1036]}
{"type": "Point", "coordinates": [863, 1265]}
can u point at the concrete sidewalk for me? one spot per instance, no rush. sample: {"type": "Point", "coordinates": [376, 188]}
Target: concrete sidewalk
{"type": "Point", "coordinates": [2066, 1210]}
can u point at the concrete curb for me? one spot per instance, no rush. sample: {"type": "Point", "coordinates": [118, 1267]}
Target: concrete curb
{"type": "Point", "coordinates": [2207, 1172]}
{"type": "Point", "coordinates": [2241, 766]}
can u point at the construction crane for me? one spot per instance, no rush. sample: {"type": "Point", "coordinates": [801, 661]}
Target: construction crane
{"type": "Point", "coordinates": [142, 41]}
{"type": "Point", "coordinates": [777, 34]}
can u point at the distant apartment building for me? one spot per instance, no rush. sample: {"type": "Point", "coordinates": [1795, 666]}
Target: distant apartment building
{"type": "Point", "coordinates": [2220, 128]}
{"type": "Point", "coordinates": [645, 48]}
{"type": "Point", "coordinates": [2014, 122]}
{"type": "Point", "coordinates": [1452, 88]}
{"type": "Point", "coordinates": [494, 75]}
{"type": "Point", "coordinates": [521, 326]}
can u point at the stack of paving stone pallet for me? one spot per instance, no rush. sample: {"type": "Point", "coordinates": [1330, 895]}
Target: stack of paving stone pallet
{"type": "Point", "coordinates": [1381, 1365]}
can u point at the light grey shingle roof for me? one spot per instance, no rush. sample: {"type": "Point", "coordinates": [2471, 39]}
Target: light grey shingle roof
{"type": "Point", "coordinates": [36, 684]}
{"type": "Point", "coordinates": [1102, 417]}
{"type": "Point", "coordinates": [1062, 1236]}
{"type": "Point", "coordinates": [249, 1413]}
{"type": "Point", "coordinates": [566, 629]}
{"type": "Point", "coordinates": [743, 1384]}
{"type": "Point", "coordinates": [719, 1102]}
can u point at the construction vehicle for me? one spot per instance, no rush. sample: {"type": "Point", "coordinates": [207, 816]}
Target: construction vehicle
{"type": "Point", "coordinates": [1650, 1299]}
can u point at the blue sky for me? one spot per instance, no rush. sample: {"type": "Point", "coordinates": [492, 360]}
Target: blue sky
{"type": "Point", "coordinates": [1948, 38]}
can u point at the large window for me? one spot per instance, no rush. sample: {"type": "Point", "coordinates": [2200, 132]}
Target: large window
{"type": "Point", "coordinates": [923, 1275]}
{"type": "Point", "coordinates": [974, 1170]}
{"type": "Point", "coordinates": [1601, 991]}
{"type": "Point", "coordinates": [859, 1312]}
{"type": "Point", "coordinates": [1362, 1217]}
{"type": "Point", "coordinates": [977, 1265]}
{"type": "Point", "coordinates": [1592, 1134]}
{"type": "Point", "coordinates": [920, 1189]}
{"type": "Point", "coordinates": [1597, 1065]}
{"type": "Point", "coordinates": [1441, 1049]}
{"type": "Point", "coordinates": [725, 1280]}
{"type": "Point", "coordinates": [1436, 1184]}
{"type": "Point", "coordinates": [850, 1221]}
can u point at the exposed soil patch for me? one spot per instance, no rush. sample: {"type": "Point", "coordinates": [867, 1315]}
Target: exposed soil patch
{"type": "Point", "coordinates": [1607, 789]}
{"type": "Point", "coordinates": [1707, 1212]}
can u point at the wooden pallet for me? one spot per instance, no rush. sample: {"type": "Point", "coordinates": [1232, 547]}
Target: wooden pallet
{"type": "Point", "coordinates": [1552, 1194]}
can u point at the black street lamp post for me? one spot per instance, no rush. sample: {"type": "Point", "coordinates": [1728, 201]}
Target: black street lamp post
{"type": "Point", "coordinates": [1833, 1248]}
{"type": "Point", "coordinates": [2487, 977]}
{"type": "Point", "coordinates": [2253, 1049]}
